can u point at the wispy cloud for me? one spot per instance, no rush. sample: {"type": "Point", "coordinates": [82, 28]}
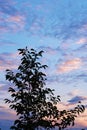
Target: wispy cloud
{"type": "Point", "coordinates": [70, 65]}
{"type": "Point", "coordinates": [82, 41]}
{"type": "Point", "coordinates": [81, 121]}
{"type": "Point", "coordinates": [7, 43]}
{"type": "Point", "coordinates": [16, 23]}
{"type": "Point", "coordinates": [12, 23]}
{"type": "Point", "coordinates": [6, 113]}
{"type": "Point", "coordinates": [7, 7]}
{"type": "Point", "coordinates": [7, 61]}
{"type": "Point", "coordinates": [76, 99]}
{"type": "Point", "coordinates": [11, 19]}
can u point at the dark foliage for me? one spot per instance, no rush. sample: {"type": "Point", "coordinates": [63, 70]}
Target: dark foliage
{"type": "Point", "coordinates": [35, 104]}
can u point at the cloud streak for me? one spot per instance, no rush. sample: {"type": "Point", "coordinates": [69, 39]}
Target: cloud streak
{"type": "Point", "coordinates": [76, 99]}
{"type": "Point", "coordinates": [70, 65]}
{"type": "Point", "coordinates": [7, 61]}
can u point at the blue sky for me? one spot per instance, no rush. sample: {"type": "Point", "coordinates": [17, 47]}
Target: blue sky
{"type": "Point", "coordinates": [59, 27]}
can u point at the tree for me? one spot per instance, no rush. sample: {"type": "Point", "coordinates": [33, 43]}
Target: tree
{"type": "Point", "coordinates": [35, 104]}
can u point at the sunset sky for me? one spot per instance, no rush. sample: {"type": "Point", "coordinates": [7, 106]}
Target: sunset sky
{"type": "Point", "coordinates": [59, 27]}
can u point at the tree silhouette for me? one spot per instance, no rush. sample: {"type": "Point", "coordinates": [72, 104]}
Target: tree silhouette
{"type": "Point", "coordinates": [35, 104]}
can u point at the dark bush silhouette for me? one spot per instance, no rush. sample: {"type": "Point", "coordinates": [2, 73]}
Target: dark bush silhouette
{"type": "Point", "coordinates": [35, 104]}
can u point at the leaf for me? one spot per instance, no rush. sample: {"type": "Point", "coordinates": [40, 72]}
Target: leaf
{"type": "Point", "coordinates": [14, 127]}
{"type": "Point", "coordinates": [40, 53]}
{"type": "Point", "coordinates": [17, 121]}
{"type": "Point", "coordinates": [11, 89]}
{"type": "Point", "coordinates": [7, 101]}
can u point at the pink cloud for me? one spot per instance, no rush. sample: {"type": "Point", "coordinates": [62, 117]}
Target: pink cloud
{"type": "Point", "coordinates": [7, 113]}
{"type": "Point", "coordinates": [8, 61]}
{"type": "Point", "coordinates": [8, 66]}
{"type": "Point", "coordinates": [3, 29]}
{"type": "Point", "coordinates": [12, 23]}
{"type": "Point", "coordinates": [16, 19]}
{"type": "Point", "coordinates": [16, 22]}
{"type": "Point", "coordinates": [82, 41]}
{"type": "Point", "coordinates": [84, 27]}
{"type": "Point", "coordinates": [70, 65]}
{"type": "Point", "coordinates": [82, 120]}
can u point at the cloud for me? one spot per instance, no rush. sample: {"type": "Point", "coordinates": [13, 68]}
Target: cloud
{"type": "Point", "coordinates": [83, 48]}
{"type": "Point", "coordinates": [81, 120]}
{"type": "Point", "coordinates": [11, 18]}
{"type": "Point", "coordinates": [35, 26]}
{"type": "Point", "coordinates": [3, 29]}
{"type": "Point", "coordinates": [4, 85]}
{"type": "Point", "coordinates": [76, 99]}
{"type": "Point", "coordinates": [40, 20]}
{"type": "Point", "coordinates": [2, 107]}
{"type": "Point", "coordinates": [7, 43]}
{"type": "Point", "coordinates": [6, 113]}
{"type": "Point", "coordinates": [16, 23]}
{"type": "Point", "coordinates": [82, 41]}
{"type": "Point", "coordinates": [7, 7]}
{"type": "Point", "coordinates": [12, 23]}
{"type": "Point", "coordinates": [70, 65]}
{"type": "Point", "coordinates": [49, 50]}
{"type": "Point", "coordinates": [83, 27]}
{"type": "Point", "coordinates": [74, 92]}
{"type": "Point", "coordinates": [7, 60]}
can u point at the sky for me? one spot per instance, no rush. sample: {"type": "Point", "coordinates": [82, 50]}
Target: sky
{"type": "Point", "coordinates": [59, 28]}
